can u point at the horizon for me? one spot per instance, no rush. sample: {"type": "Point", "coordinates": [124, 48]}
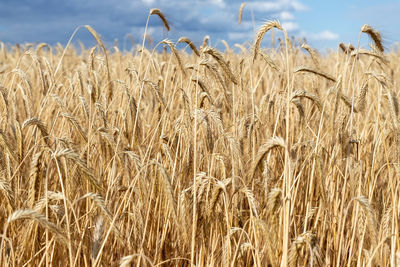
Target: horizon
{"type": "Point", "coordinates": [54, 22]}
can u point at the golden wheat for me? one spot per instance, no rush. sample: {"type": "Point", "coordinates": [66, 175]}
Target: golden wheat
{"type": "Point", "coordinates": [152, 158]}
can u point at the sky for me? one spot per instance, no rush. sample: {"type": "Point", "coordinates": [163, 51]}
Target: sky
{"type": "Point", "coordinates": [324, 24]}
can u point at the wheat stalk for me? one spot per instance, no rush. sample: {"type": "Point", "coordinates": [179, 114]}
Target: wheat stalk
{"type": "Point", "coordinates": [241, 12]}
{"type": "Point", "coordinates": [156, 11]}
{"type": "Point", "coordinates": [6, 189]}
{"type": "Point", "coordinates": [264, 149]}
{"type": "Point", "coordinates": [8, 147]}
{"type": "Point", "coordinates": [190, 43]}
{"type": "Point", "coordinates": [220, 60]}
{"type": "Point", "coordinates": [303, 93]}
{"type": "Point", "coordinates": [41, 219]}
{"type": "Point", "coordinates": [98, 40]}
{"type": "Point", "coordinates": [261, 32]}
{"type": "Point", "coordinates": [176, 54]}
{"type": "Point", "coordinates": [38, 123]}
{"type": "Point", "coordinates": [375, 36]}
{"type": "Point", "coordinates": [313, 54]}
{"type": "Point", "coordinates": [317, 72]}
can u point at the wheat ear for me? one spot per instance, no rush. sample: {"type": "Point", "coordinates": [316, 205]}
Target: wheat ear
{"type": "Point", "coordinates": [156, 11]}
{"type": "Point", "coordinates": [317, 72]}
{"type": "Point", "coordinates": [261, 32]}
{"type": "Point", "coordinates": [176, 54]}
{"type": "Point", "coordinates": [205, 41]}
{"type": "Point", "coordinates": [8, 147]}
{"type": "Point", "coordinates": [219, 58]}
{"type": "Point", "coordinates": [41, 219]}
{"type": "Point", "coordinates": [265, 148]}
{"type": "Point", "coordinates": [6, 188]}
{"type": "Point", "coordinates": [313, 54]}
{"type": "Point", "coordinates": [98, 40]}
{"type": "Point", "coordinates": [375, 36]}
{"type": "Point", "coordinates": [241, 12]}
{"type": "Point", "coordinates": [39, 124]}
{"type": "Point", "coordinates": [302, 93]}
{"type": "Point", "coordinates": [190, 43]}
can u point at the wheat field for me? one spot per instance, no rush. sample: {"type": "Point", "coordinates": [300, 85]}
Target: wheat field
{"type": "Point", "coordinates": [199, 157]}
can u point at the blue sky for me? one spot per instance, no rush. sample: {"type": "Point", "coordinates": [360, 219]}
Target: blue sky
{"type": "Point", "coordinates": [323, 23]}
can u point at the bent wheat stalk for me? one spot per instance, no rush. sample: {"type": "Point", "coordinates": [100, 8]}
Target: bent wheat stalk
{"type": "Point", "coordinates": [317, 72]}
{"type": "Point", "coordinates": [190, 43]}
{"type": "Point", "coordinates": [264, 149]}
{"type": "Point", "coordinates": [261, 32]}
{"type": "Point", "coordinates": [156, 11]}
{"type": "Point", "coordinates": [375, 36]}
{"type": "Point", "coordinates": [241, 12]}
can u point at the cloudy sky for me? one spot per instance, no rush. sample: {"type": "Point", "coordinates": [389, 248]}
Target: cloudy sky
{"type": "Point", "coordinates": [323, 23]}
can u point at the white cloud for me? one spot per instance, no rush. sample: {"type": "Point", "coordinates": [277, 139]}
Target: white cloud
{"type": "Point", "coordinates": [240, 36]}
{"type": "Point", "coordinates": [265, 6]}
{"type": "Point", "coordinates": [290, 26]}
{"type": "Point", "coordinates": [299, 6]}
{"type": "Point", "coordinates": [324, 35]}
{"type": "Point", "coordinates": [277, 6]}
{"type": "Point", "coordinates": [285, 15]}
{"type": "Point", "coordinates": [148, 2]}
{"type": "Point", "coordinates": [219, 3]}
{"type": "Point", "coordinates": [247, 25]}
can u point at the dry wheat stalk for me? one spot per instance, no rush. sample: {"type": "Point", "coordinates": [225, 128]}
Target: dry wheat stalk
{"type": "Point", "coordinates": [317, 72]}
{"type": "Point", "coordinates": [220, 60]}
{"type": "Point", "coordinates": [269, 60]}
{"type": "Point", "coordinates": [303, 93]}
{"type": "Point", "coordinates": [361, 51]}
{"type": "Point", "coordinates": [261, 32]}
{"type": "Point", "coordinates": [220, 187]}
{"type": "Point", "coordinates": [41, 219]}
{"type": "Point", "coordinates": [8, 147]}
{"type": "Point", "coordinates": [97, 237]}
{"type": "Point", "coordinates": [360, 103]}
{"type": "Point", "coordinates": [34, 178]}
{"type": "Point", "coordinates": [38, 123]}
{"type": "Point", "coordinates": [19, 139]}
{"type": "Point", "coordinates": [299, 107]}
{"type": "Point", "coordinates": [213, 68]}
{"type": "Point", "coordinates": [242, 48]}
{"type": "Point", "coordinates": [241, 12]}
{"type": "Point", "coordinates": [167, 188]}
{"type": "Point", "coordinates": [202, 85]}
{"type": "Point", "coordinates": [225, 43]}
{"type": "Point", "coordinates": [176, 54]}
{"type": "Point", "coordinates": [6, 189]}
{"type": "Point", "coordinates": [75, 123]}
{"type": "Point", "coordinates": [190, 43]}
{"type": "Point", "coordinates": [98, 40]}
{"type": "Point", "coordinates": [274, 200]}
{"type": "Point", "coordinates": [375, 36]}
{"type": "Point", "coordinates": [251, 199]}
{"type": "Point", "coordinates": [156, 11]}
{"type": "Point", "coordinates": [125, 261]}
{"type": "Point", "coordinates": [264, 149]}
{"type": "Point", "coordinates": [157, 91]}
{"type": "Point", "coordinates": [74, 157]}
{"type": "Point", "coordinates": [394, 108]}
{"type": "Point", "coordinates": [313, 54]}
{"type": "Point", "coordinates": [346, 49]}
{"type": "Point", "coordinates": [304, 242]}
{"type": "Point", "coordinates": [100, 203]}
{"type": "Point", "coordinates": [206, 39]}
{"type": "Point", "coordinates": [372, 225]}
